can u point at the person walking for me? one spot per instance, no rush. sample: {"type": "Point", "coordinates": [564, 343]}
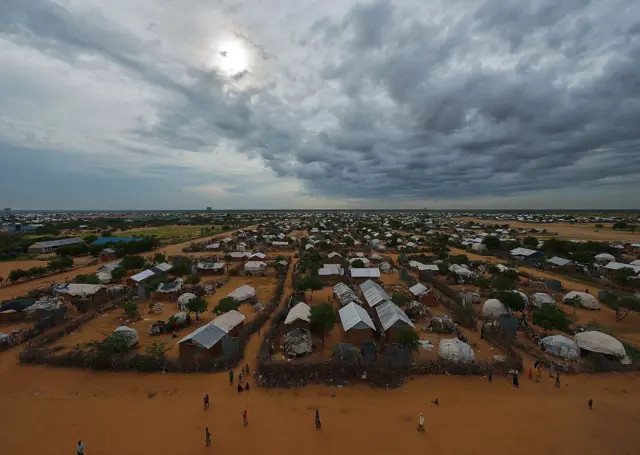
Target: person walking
{"type": "Point", "coordinates": [421, 423]}
{"type": "Point", "coordinates": [490, 377]}
{"type": "Point", "coordinates": [558, 379]}
{"type": "Point", "coordinates": [80, 448]}
{"type": "Point", "coordinates": [245, 422]}
{"type": "Point", "coordinates": [207, 437]}
{"type": "Point", "coordinates": [530, 374]}
{"type": "Point", "coordinates": [538, 373]}
{"type": "Point", "coordinates": [206, 402]}
{"type": "Point", "coordinates": [247, 368]}
{"type": "Point", "coordinates": [516, 383]}
{"type": "Point", "coordinates": [231, 378]}
{"type": "Point", "coordinates": [590, 404]}
{"type": "Point", "coordinates": [240, 376]}
{"type": "Point", "coordinates": [318, 424]}
{"type": "Point", "coordinates": [552, 370]}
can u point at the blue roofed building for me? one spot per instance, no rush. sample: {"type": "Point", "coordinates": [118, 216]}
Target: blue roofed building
{"type": "Point", "coordinates": [105, 240]}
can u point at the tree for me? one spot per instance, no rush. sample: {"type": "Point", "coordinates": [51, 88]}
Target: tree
{"type": "Point", "coordinates": [512, 300]}
{"type": "Point", "coordinates": [491, 242]}
{"type": "Point", "coordinates": [620, 225]}
{"type": "Point", "coordinates": [348, 241]}
{"type": "Point", "coordinates": [1, 280]}
{"type": "Point", "coordinates": [16, 275]}
{"type": "Point", "coordinates": [623, 275]}
{"type": "Point", "coordinates": [226, 304]}
{"type": "Point", "coordinates": [60, 264]}
{"type": "Point", "coordinates": [132, 262]}
{"type": "Point", "coordinates": [530, 242]}
{"type": "Point", "coordinates": [131, 309]}
{"type": "Point", "coordinates": [357, 264]}
{"type": "Point", "coordinates": [87, 279]}
{"type": "Point", "coordinates": [118, 273]}
{"type": "Point", "coordinates": [94, 250]}
{"type": "Point", "coordinates": [228, 258]}
{"type": "Point", "coordinates": [323, 317]}
{"type": "Point", "coordinates": [502, 283]}
{"type": "Point", "coordinates": [624, 306]}
{"type": "Point", "coordinates": [89, 239]}
{"type": "Point", "coordinates": [482, 283]}
{"type": "Point", "coordinates": [459, 259]}
{"type": "Point", "coordinates": [194, 278]}
{"type": "Point", "coordinates": [106, 234]}
{"type": "Point", "coordinates": [399, 299]}
{"type": "Point", "coordinates": [633, 228]}
{"type": "Point", "coordinates": [197, 306]}
{"type": "Point", "coordinates": [309, 283]}
{"type": "Point", "coordinates": [599, 226]}
{"type": "Point", "coordinates": [182, 267]}
{"type": "Point", "coordinates": [159, 257]}
{"type": "Point", "coordinates": [408, 339]}
{"type": "Point", "coordinates": [157, 351]}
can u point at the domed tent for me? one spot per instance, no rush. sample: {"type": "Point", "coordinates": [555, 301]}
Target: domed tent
{"type": "Point", "coordinates": [600, 343]}
{"type": "Point", "coordinates": [493, 308]}
{"type": "Point", "coordinates": [298, 342]}
{"type": "Point", "coordinates": [586, 300]}
{"type": "Point", "coordinates": [560, 346]}
{"type": "Point", "coordinates": [129, 334]}
{"type": "Point", "coordinates": [604, 258]}
{"type": "Point", "coordinates": [346, 353]}
{"type": "Point", "coordinates": [540, 299]}
{"type": "Point", "coordinates": [456, 351]}
{"type": "Point", "coordinates": [184, 299]}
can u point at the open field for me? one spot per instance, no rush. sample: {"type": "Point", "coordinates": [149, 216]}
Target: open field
{"type": "Point", "coordinates": [568, 231]}
{"type": "Point", "coordinates": [165, 232]}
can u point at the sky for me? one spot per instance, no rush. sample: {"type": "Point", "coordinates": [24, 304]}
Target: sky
{"type": "Point", "coordinates": [306, 104]}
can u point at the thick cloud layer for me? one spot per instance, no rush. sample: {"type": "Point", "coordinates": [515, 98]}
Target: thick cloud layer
{"type": "Point", "coordinates": [383, 101]}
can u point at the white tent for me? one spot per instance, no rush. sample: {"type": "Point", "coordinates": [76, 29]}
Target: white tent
{"type": "Point", "coordinates": [456, 351]}
{"type": "Point", "coordinates": [601, 343]}
{"type": "Point", "coordinates": [129, 334]}
{"type": "Point", "coordinates": [603, 258]}
{"type": "Point", "coordinates": [243, 293]}
{"type": "Point", "coordinates": [493, 308]}
{"type": "Point", "coordinates": [540, 299]}
{"type": "Point", "coordinates": [586, 300]}
{"type": "Point", "coordinates": [184, 299]}
{"type": "Point", "coordinates": [560, 346]}
{"type": "Point", "coordinates": [301, 311]}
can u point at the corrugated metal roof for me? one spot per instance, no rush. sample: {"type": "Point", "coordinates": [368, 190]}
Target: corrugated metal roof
{"type": "Point", "coordinates": [300, 311]}
{"type": "Point", "coordinates": [390, 315]}
{"type": "Point", "coordinates": [330, 271]}
{"type": "Point", "coordinates": [206, 336]}
{"type": "Point", "coordinates": [227, 321]}
{"type": "Point", "coordinates": [418, 289]}
{"type": "Point", "coordinates": [619, 265]}
{"type": "Point", "coordinates": [105, 240]}
{"type": "Point", "coordinates": [373, 272]}
{"type": "Point", "coordinates": [559, 261]}
{"type": "Point", "coordinates": [353, 316]}
{"type": "Point", "coordinates": [163, 267]}
{"type": "Point", "coordinates": [56, 243]}
{"type": "Point", "coordinates": [373, 292]}
{"type": "Point", "coordinates": [138, 277]}
{"type": "Point", "coordinates": [210, 265]}
{"type": "Point", "coordinates": [522, 252]}
{"type": "Point", "coordinates": [77, 289]}
{"type": "Point", "coordinates": [242, 293]}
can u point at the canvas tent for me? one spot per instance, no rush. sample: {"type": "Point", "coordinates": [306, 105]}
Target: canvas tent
{"type": "Point", "coordinates": [184, 299]}
{"type": "Point", "coordinates": [301, 312]}
{"type": "Point", "coordinates": [493, 308]}
{"type": "Point", "coordinates": [601, 343]}
{"type": "Point", "coordinates": [129, 334]}
{"type": "Point", "coordinates": [456, 351]}
{"type": "Point", "coordinates": [540, 299]}
{"type": "Point", "coordinates": [560, 346]}
{"type": "Point", "coordinates": [586, 300]}
{"type": "Point", "coordinates": [243, 293]}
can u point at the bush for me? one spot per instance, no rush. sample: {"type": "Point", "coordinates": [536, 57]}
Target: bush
{"type": "Point", "coordinates": [118, 273]}
{"type": "Point", "coordinates": [87, 279]}
{"type": "Point", "coordinates": [131, 309]}
{"type": "Point", "coordinates": [194, 278]}
{"type": "Point", "coordinates": [197, 305]}
{"type": "Point", "coordinates": [512, 300]}
{"type": "Point", "coordinates": [399, 299]}
{"type": "Point", "coordinates": [482, 283]}
{"type": "Point", "coordinates": [132, 262]}
{"type": "Point", "coordinates": [106, 234]}
{"type": "Point", "coordinates": [459, 259]}
{"type": "Point", "coordinates": [226, 304]}
{"type": "Point", "coordinates": [60, 264]}
{"type": "Point", "coordinates": [357, 264]}
{"type": "Point", "coordinates": [503, 283]}
{"type": "Point", "coordinates": [549, 317]}
{"type": "Point", "coordinates": [408, 339]}
{"type": "Point", "coordinates": [234, 272]}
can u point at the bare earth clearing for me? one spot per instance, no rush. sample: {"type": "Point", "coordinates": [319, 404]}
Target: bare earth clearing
{"type": "Point", "coordinates": [568, 231]}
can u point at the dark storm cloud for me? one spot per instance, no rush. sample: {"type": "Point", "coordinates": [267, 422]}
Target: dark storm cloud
{"type": "Point", "coordinates": [465, 99]}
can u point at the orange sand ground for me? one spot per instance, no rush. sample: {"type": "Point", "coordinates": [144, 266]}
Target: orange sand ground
{"type": "Point", "coordinates": [50, 409]}
{"type": "Point", "coordinates": [568, 231]}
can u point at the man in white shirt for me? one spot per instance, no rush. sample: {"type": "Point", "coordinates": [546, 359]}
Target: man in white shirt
{"type": "Point", "coordinates": [80, 448]}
